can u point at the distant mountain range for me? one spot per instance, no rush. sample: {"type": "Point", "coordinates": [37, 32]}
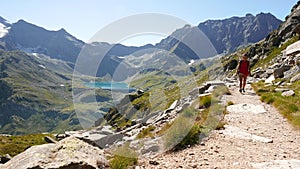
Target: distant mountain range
{"type": "Point", "coordinates": [225, 36]}
{"type": "Point", "coordinates": [36, 65]}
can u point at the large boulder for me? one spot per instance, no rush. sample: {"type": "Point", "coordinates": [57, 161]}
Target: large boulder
{"type": "Point", "coordinates": [68, 153]}
{"type": "Point", "coordinates": [279, 73]}
{"type": "Point", "coordinates": [231, 65]}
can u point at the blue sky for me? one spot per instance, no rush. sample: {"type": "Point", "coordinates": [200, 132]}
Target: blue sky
{"type": "Point", "coordinates": [84, 18]}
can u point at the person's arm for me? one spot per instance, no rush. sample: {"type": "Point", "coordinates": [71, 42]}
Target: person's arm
{"type": "Point", "coordinates": [238, 68]}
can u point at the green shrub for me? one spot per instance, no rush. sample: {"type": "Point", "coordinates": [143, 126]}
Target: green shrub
{"type": "Point", "coordinates": [191, 138]}
{"type": "Point", "coordinates": [230, 103]}
{"type": "Point", "coordinates": [182, 132]}
{"type": "Point", "coordinates": [123, 157]}
{"type": "Point", "coordinates": [206, 101]}
{"type": "Point", "coordinates": [146, 132]}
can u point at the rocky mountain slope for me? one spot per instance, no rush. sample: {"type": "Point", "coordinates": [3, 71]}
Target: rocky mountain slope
{"type": "Point", "coordinates": [34, 91]}
{"type": "Point", "coordinates": [225, 35]}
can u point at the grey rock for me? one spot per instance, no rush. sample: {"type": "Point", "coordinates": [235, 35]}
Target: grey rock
{"type": "Point", "coordinates": [290, 73]}
{"type": "Point", "coordinates": [210, 89]}
{"type": "Point", "coordinates": [279, 72]}
{"type": "Point", "coordinates": [272, 67]}
{"type": "Point", "coordinates": [173, 105]}
{"type": "Point", "coordinates": [281, 90]}
{"type": "Point", "coordinates": [295, 78]}
{"type": "Point", "coordinates": [199, 90]}
{"type": "Point", "coordinates": [293, 48]}
{"type": "Point", "coordinates": [270, 71]}
{"type": "Point", "coordinates": [288, 93]}
{"type": "Point", "coordinates": [68, 153]}
{"type": "Point", "coordinates": [149, 119]}
{"type": "Point", "coordinates": [147, 146]}
{"type": "Point", "coordinates": [50, 140]}
{"type": "Point", "coordinates": [106, 140]}
{"type": "Point", "coordinates": [215, 83]}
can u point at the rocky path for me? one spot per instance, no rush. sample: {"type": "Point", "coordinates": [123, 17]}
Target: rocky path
{"type": "Point", "coordinates": [256, 136]}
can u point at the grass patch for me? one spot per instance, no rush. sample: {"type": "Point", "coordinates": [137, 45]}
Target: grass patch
{"type": "Point", "coordinates": [289, 107]}
{"type": "Point", "coordinates": [123, 157]}
{"type": "Point", "coordinates": [274, 52]}
{"type": "Point", "coordinates": [146, 132]}
{"type": "Point", "coordinates": [14, 145]}
{"type": "Point", "coordinates": [182, 132]}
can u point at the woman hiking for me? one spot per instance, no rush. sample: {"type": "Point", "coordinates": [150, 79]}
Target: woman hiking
{"type": "Point", "coordinates": [243, 71]}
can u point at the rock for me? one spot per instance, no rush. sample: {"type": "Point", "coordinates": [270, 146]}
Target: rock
{"type": "Point", "coordinates": [210, 89]}
{"type": "Point", "coordinates": [293, 49]}
{"type": "Point", "coordinates": [242, 134]}
{"type": "Point", "coordinates": [277, 164]}
{"type": "Point", "coordinates": [199, 90]}
{"type": "Point", "coordinates": [159, 116]}
{"type": "Point", "coordinates": [231, 65]}
{"type": "Point", "coordinates": [279, 72]}
{"type": "Point", "coordinates": [270, 71]}
{"type": "Point", "coordinates": [153, 162]}
{"type": "Point", "coordinates": [173, 106]}
{"type": "Point", "coordinates": [288, 93]}
{"type": "Point", "coordinates": [60, 136]}
{"type": "Point", "coordinates": [50, 140]}
{"type": "Point", "coordinates": [147, 120]}
{"type": "Point", "coordinates": [68, 153]}
{"type": "Point", "coordinates": [139, 92]}
{"type": "Point", "coordinates": [295, 78]}
{"type": "Point", "coordinates": [281, 90]}
{"type": "Point", "coordinates": [215, 83]}
{"type": "Point", "coordinates": [272, 67]}
{"type": "Point", "coordinates": [5, 158]}
{"type": "Point", "coordinates": [246, 108]}
{"type": "Point", "coordinates": [105, 141]}
{"type": "Point", "coordinates": [270, 79]}
{"type": "Point", "coordinates": [258, 72]}
{"type": "Point", "coordinates": [290, 73]}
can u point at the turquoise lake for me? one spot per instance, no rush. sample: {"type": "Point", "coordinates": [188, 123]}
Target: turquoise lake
{"type": "Point", "coordinates": [110, 86]}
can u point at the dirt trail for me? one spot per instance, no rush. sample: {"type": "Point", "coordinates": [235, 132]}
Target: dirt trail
{"type": "Point", "coordinates": [241, 148]}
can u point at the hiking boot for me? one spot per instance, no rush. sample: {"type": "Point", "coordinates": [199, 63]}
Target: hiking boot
{"type": "Point", "coordinates": [241, 90]}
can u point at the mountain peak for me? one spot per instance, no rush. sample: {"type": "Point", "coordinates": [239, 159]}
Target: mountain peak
{"type": "Point", "coordinates": [240, 29]}
{"type": "Point", "coordinates": [249, 15]}
{"type": "Point", "coordinates": [4, 21]}
{"type": "Point", "coordinates": [62, 30]}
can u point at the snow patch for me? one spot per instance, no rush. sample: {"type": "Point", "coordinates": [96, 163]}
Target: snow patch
{"type": "Point", "coordinates": [35, 55]}
{"type": "Point", "coordinates": [3, 30]}
{"type": "Point", "coordinates": [191, 62]}
{"type": "Point", "coordinates": [42, 66]}
{"type": "Point", "coordinates": [121, 57]}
